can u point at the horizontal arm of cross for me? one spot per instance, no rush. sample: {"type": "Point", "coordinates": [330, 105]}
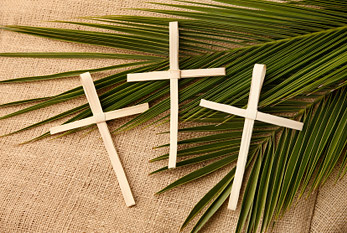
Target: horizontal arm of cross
{"type": "Point", "coordinates": [163, 75]}
{"type": "Point", "coordinates": [72, 125]}
{"type": "Point", "coordinates": [264, 117]}
{"type": "Point", "coordinates": [148, 76]}
{"type": "Point", "coordinates": [195, 73]}
{"type": "Point", "coordinates": [119, 113]}
{"type": "Point", "coordinates": [280, 121]}
{"type": "Point", "coordinates": [223, 108]}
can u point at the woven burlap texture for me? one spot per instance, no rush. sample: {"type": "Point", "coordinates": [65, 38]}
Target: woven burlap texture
{"type": "Point", "coordinates": [68, 185]}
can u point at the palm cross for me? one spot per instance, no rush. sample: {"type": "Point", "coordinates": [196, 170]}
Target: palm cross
{"type": "Point", "coordinates": [99, 118]}
{"type": "Point", "coordinates": [174, 73]}
{"type": "Point", "coordinates": [250, 114]}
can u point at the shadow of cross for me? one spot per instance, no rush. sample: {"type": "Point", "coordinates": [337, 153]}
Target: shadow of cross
{"type": "Point", "coordinates": [173, 74]}
{"type": "Point", "coordinates": [250, 114]}
{"type": "Point", "coordinates": [99, 118]}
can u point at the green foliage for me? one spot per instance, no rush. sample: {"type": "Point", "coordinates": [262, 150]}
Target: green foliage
{"type": "Point", "coordinates": [304, 47]}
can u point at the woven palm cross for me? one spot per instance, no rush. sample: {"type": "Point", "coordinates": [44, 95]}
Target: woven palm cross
{"type": "Point", "coordinates": [250, 114]}
{"type": "Point", "coordinates": [99, 118]}
{"type": "Point", "coordinates": [174, 74]}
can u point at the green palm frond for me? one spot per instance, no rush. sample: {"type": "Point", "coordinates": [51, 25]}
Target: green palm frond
{"type": "Point", "coordinates": [304, 47]}
{"type": "Point", "coordinates": [298, 156]}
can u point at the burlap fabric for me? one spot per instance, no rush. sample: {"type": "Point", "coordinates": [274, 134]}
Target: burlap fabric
{"type": "Point", "coordinates": [68, 185]}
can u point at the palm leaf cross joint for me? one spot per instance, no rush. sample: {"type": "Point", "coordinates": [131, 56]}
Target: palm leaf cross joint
{"type": "Point", "coordinates": [173, 74]}
{"type": "Point", "coordinates": [250, 114]}
{"type": "Point", "coordinates": [99, 118]}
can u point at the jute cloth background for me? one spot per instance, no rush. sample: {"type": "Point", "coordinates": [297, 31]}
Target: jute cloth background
{"type": "Point", "coordinates": [68, 185]}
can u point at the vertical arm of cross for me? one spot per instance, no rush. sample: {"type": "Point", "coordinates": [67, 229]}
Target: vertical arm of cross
{"type": "Point", "coordinates": [251, 114]}
{"type": "Point", "coordinates": [174, 45]}
{"type": "Point", "coordinates": [258, 76]}
{"type": "Point", "coordinates": [174, 73]}
{"type": "Point", "coordinates": [96, 108]}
